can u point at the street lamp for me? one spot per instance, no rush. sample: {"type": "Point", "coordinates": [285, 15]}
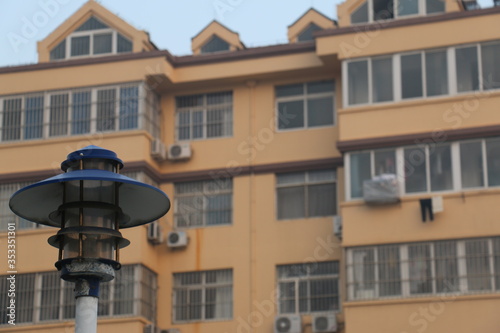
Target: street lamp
{"type": "Point", "coordinates": [90, 202]}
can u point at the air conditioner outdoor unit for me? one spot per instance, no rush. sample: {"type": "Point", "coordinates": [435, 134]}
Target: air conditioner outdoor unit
{"type": "Point", "coordinates": [324, 323]}
{"type": "Point", "coordinates": [380, 190]}
{"type": "Point", "coordinates": [150, 328]}
{"type": "Point", "coordinates": [158, 150]}
{"type": "Point", "coordinates": [288, 324]}
{"type": "Point", "coordinates": [177, 239]}
{"type": "Point", "coordinates": [155, 235]}
{"type": "Point", "coordinates": [179, 151]}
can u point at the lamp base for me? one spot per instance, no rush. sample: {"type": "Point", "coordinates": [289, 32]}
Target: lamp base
{"type": "Point", "coordinates": [74, 269]}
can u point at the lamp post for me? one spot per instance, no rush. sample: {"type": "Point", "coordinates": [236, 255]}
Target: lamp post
{"type": "Point", "coordinates": [89, 202]}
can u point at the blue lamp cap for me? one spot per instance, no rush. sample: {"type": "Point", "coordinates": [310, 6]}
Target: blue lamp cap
{"type": "Point", "coordinates": [90, 152]}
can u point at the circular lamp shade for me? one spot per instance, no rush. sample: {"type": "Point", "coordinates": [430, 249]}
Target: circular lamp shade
{"type": "Point", "coordinates": [139, 202]}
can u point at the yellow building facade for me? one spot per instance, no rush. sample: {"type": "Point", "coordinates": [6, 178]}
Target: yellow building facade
{"type": "Point", "coordinates": [299, 174]}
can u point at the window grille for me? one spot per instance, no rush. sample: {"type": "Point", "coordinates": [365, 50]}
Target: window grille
{"type": "Point", "coordinates": [308, 288]}
{"type": "Point", "coordinates": [467, 266]}
{"type": "Point", "coordinates": [204, 116]}
{"type": "Point", "coordinates": [306, 194]}
{"type": "Point", "coordinates": [203, 203]}
{"type": "Point", "coordinates": [79, 111]}
{"type": "Point", "coordinates": [44, 297]}
{"type": "Point", "coordinates": [6, 215]}
{"type": "Point", "coordinates": [201, 296]}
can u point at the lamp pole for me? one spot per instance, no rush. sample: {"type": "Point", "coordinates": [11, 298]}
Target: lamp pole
{"type": "Point", "coordinates": [90, 202]}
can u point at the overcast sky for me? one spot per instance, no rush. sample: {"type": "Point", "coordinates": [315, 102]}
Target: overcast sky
{"type": "Point", "coordinates": [171, 23]}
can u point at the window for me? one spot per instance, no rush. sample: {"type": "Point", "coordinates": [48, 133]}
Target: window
{"type": "Point", "coordinates": [92, 38]}
{"type": "Point", "coordinates": [360, 15]}
{"type": "Point", "coordinates": [204, 116]}
{"type": "Point", "coordinates": [200, 296]}
{"type": "Point", "coordinates": [79, 111]}
{"type": "Point", "coordinates": [307, 33]}
{"type": "Point", "coordinates": [11, 124]}
{"type": "Point", "coordinates": [436, 167]}
{"type": "Point", "coordinates": [6, 215]}
{"type": "Point", "coordinates": [411, 76]}
{"type": "Point", "coordinates": [203, 203]}
{"type": "Point", "coordinates": [33, 117]}
{"type": "Point", "coordinates": [215, 44]}
{"type": "Point", "coordinates": [308, 288]}
{"type": "Point", "coordinates": [305, 105]}
{"type": "Point", "coordinates": [306, 194]}
{"type": "Point", "coordinates": [382, 86]}
{"type": "Point", "coordinates": [357, 72]}
{"type": "Point", "coordinates": [44, 297]}
{"type": "Point", "coordinates": [59, 52]}
{"type": "Point", "coordinates": [422, 74]}
{"type": "Point", "coordinates": [467, 69]}
{"type": "Point", "coordinates": [490, 53]}
{"type": "Point", "coordinates": [59, 105]}
{"type": "Point", "coordinates": [378, 10]}
{"type": "Point", "coordinates": [361, 168]}
{"type": "Point", "coordinates": [410, 270]}
{"type": "Point", "coordinates": [106, 108]}
{"type": "Point", "coordinates": [407, 7]}
{"type": "Point", "coordinates": [436, 73]}
{"type": "Point", "coordinates": [471, 164]}
{"type": "Point", "coordinates": [383, 10]}
{"type": "Point", "coordinates": [81, 116]}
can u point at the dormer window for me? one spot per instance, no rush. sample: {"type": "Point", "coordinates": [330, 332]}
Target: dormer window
{"type": "Point", "coordinates": [307, 34]}
{"type": "Point", "coordinates": [377, 10]}
{"type": "Point", "coordinates": [215, 44]}
{"type": "Point", "coordinates": [92, 38]}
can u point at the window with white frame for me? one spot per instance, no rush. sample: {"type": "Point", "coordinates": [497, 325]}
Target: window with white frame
{"type": "Point", "coordinates": [308, 287]}
{"type": "Point", "coordinates": [78, 112]}
{"type": "Point", "coordinates": [422, 74]}
{"type": "Point", "coordinates": [380, 10]}
{"type": "Point", "coordinates": [203, 296]}
{"type": "Point", "coordinates": [203, 203]}
{"type": "Point", "coordinates": [306, 194]}
{"type": "Point", "coordinates": [44, 297]}
{"type": "Point", "coordinates": [419, 269]}
{"type": "Point", "coordinates": [92, 38]}
{"type": "Point", "coordinates": [437, 167]}
{"type": "Point", "coordinates": [305, 105]}
{"type": "Point", "coordinates": [204, 116]}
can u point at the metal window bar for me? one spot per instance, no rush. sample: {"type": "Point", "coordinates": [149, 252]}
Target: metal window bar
{"type": "Point", "coordinates": [308, 288]}
{"type": "Point", "coordinates": [44, 297]}
{"type": "Point", "coordinates": [6, 215]}
{"type": "Point", "coordinates": [469, 266]}
{"type": "Point", "coordinates": [204, 116]}
{"type": "Point", "coordinates": [206, 295]}
{"type": "Point", "coordinates": [79, 111]}
{"type": "Point", "coordinates": [203, 203]}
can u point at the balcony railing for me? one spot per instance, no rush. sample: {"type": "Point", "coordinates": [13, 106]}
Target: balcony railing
{"type": "Point", "coordinates": [82, 111]}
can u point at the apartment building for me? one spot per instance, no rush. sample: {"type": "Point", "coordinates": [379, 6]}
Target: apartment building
{"type": "Point", "coordinates": [342, 182]}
